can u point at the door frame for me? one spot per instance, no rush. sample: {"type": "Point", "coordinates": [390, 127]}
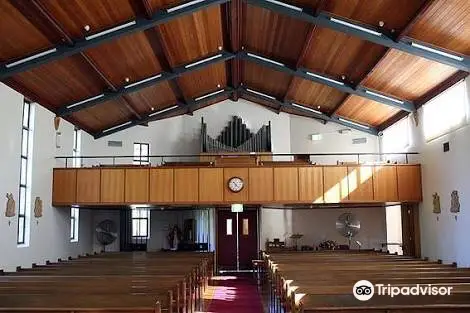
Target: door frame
{"type": "Point", "coordinates": [258, 236]}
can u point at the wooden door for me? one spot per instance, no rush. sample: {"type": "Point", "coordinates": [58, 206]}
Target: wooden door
{"type": "Point", "coordinates": [410, 230]}
{"type": "Point", "coordinates": [226, 240]}
{"type": "Point", "coordinates": [247, 238]}
{"type": "Point", "coordinates": [237, 239]}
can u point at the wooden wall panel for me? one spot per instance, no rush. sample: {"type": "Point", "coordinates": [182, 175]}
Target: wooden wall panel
{"type": "Point", "coordinates": [335, 184]}
{"type": "Point", "coordinates": [112, 185]}
{"type": "Point", "coordinates": [409, 183]}
{"type": "Point", "coordinates": [88, 186]}
{"type": "Point", "coordinates": [211, 185]}
{"type": "Point", "coordinates": [261, 184]}
{"type": "Point", "coordinates": [186, 185]}
{"type": "Point", "coordinates": [64, 186]}
{"type": "Point", "coordinates": [385, 183]}
{"type": "Point", "coordinates": [286, 184]}
{"type": "Point", "coordinates": [137, 185]}
{"type": "Point", "coordinates": [236, 197]}
{"type": "Point", "coordinates": [161, 185]}
{"type": "Point", "coordinates": [360, 183]}
{"type": "Point", "coordinates": [311, 184]}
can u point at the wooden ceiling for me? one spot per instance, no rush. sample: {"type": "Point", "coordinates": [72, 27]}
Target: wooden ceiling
{"type": "Point", "coordinates": [158, 58]}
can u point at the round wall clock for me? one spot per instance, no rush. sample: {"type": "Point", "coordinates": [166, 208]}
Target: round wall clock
{"type": "Point", "coordinates": [235, 184]}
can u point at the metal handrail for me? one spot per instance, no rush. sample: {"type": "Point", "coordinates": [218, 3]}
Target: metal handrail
{"type": "Point", "coordinates": [169, 156]}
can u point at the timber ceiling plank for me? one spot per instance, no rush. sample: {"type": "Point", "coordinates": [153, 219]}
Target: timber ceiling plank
{"type": "Point", "coordinates": [63, 81]}
{"type": "Point", "coordinates": [273, 35]}
{"type": "Point", "coordinates": [366, 111]}
{"type": "Point", "coordinates": [446, 24]}
{"type": "Point", "coordinates": [203, 81]}
{"type": "Point", "coordinates": [19, 37]}
{"type": "Point", "coordinates": [193, 36]}
{"type": "Point", "coordinates": [129, 57]}
{"type": "Point", "coordinates": [315, 96]}
{"type": "Point", "coordinates": [153, 98]}
{"type": "Point", "coordinates": [265, 79]}
{"type": "Point", "coordinates": [162, 4]}
{"type": "Point", "coordinates": [75, 15]}
{"type": "Point", "coordinates": [407, 76]}
{"type": "Point", "coordinates": [103, 115]}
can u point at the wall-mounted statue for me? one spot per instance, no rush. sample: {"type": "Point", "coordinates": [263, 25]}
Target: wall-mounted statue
{"type": "Point", "coordinates": [454, 202]}
{"type": "Point", "coordinates": [11, 206]}
{"type": "Point", "coordinates": [436, 203]}
{"type": "Point", "coordinates": [38, 207]}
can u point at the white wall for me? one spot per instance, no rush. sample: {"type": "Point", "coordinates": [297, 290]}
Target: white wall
{"type": "Point", "coordinates": [446, 238]}
{"type": "Point", "coordinates": [318, 225]}
{"type": "Point", "coordinates": [49, 235]}
{"type": "Point", "coordinates": [301, 128]}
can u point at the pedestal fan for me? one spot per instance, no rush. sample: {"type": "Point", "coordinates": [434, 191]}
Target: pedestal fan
{"type": "Point", "coordinates": [348, 226]}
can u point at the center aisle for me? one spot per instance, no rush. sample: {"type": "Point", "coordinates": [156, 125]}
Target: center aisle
{"type": "Point", "coordinates": [234, 295]}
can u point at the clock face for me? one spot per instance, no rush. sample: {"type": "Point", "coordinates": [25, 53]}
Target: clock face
{"type": "Point", "coordinates": [235, 184]}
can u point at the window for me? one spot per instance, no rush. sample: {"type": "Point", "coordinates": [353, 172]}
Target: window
{"type": "Point", "coordinates": [25, 174]}
{"type": "Point", "coordinates": [74, 223]}
{"type": "Point", "coordinates": [141, 153]}
{"type": "Point", "coordinates": [76, 151]}
{"type": "Point", "coordinates": [445, 113]}
{"type": "Point", "coordinates": [229, 227]}
{"type": "Point", "coordinates": [246, 230]}
{"type": "Point", "coordinates": [140, 223]}
{"type": "Point", "coordinates": [396, 138]}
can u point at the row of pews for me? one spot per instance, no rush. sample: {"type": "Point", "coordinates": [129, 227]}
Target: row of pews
{"type": "Point", "coordinates": [320, 282]}
{"type": "Point", "coordinates": [140, 282]}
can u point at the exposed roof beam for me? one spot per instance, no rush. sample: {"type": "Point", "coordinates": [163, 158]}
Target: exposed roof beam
{"type": "Point", "coordinates": [369, 33]}
{"type": "Point", "coordinates": [308, 112]}
{"type": "Point", "coordinates": [163, 76]}
{"type": "Point", "coordinates": [331, 82]}
{"type": "Point", "coordinates": [64, 50]}
{"type": "Point", "coordinates": [235, 9]}
{"type": "Point", "coordinates": [164, 113]}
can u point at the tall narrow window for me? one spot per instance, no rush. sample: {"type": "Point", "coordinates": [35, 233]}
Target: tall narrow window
{"type": "Point", "coordinates": [140, 223]}
{"type": "Point", "coordinates": [74, 224]}
{"type": "Point", "coordinates": [76, 151]}
{"type": "Point", "coordinates": [25, 174]}
{"type": "Point", "coordinates": [141, 153]}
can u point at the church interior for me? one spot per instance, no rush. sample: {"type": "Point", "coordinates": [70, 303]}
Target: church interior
{"type": "Point", "coordinates": [219, 156]}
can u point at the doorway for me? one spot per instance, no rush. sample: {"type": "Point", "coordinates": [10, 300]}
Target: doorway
{"type": "Point", "coordinates": [237, 239]}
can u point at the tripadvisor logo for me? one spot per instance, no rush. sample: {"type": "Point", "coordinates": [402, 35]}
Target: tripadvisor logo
{"type": "Point", "coordinates": [364, 290]}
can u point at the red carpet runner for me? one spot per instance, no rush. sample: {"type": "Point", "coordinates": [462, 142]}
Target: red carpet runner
{"type": "Point", "coordinates": [235, 295]}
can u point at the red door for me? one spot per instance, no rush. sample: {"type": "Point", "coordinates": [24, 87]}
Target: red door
{"type": "Point", "coordinates": [237, 241]}
{"type": "Point", "coordinates": [226, 240]}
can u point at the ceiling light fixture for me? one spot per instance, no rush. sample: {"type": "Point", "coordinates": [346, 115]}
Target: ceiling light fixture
{"type": "Point", "coordinates": [111, 30]}
{"type": "Point", "coordinates": [163, 110]}
{"type": "Point", "coordinates": [203, 61]}
{"type": "Point", "coordinates": [85, 101]}
{"type": "Point", "coordinates": [353, 123]}
{"type": "Point", "coordinates": [449, 55]}
{"type": "Point", "coordinates": [260, 94]}
{"type": "Point", "coordinates": [184, 5]}
{"type": "Point", "coordinates": [264, 59]}
{"type": "Point", "coordinates": [143, 81]}
{"type": "Point", "coordinates": [306, 108]}
{"type": "Point", "coordinates": [87, 28]}
{"type": "Point", "coordinates": [32, 57]}
{"type": "Point", "coordinates": [209, 95]}
{"type": "Point", "coordinates": [351, 25]}
{"type": "Point", "coordinates": [384, 97]}
{"type": "Point", "coordinates": [326, 79]}
{"type": "Point", "coordinates": [293, 7]}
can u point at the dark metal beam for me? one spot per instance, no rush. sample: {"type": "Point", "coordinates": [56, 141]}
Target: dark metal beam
{"type": "Point", "coordinates": [373, 34]}
{"type": "Point", "coordinates": [288, 107]}
{"type": "Point", "coordinates": [235, 29]}
{"type": "Point", "coordinates": [193, 105]}
{"type": "Point", "coordinates": [164, 76]}
{"type": "Point", "coordinates": [334, 83]}
{"type": "Point", "coordinates": [64, 50]}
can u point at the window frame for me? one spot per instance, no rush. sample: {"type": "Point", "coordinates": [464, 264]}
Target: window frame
{"type": "Point", "coordinates": [74, 224]}
{"type": "Point", "coordinates": [138, 217]}
{"type": "Point", "coordinates": [25, 176]}
{"type": "Point", "coordinates": [141, 159]}
{"type": "Point", "coordinates": [76, 149]}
